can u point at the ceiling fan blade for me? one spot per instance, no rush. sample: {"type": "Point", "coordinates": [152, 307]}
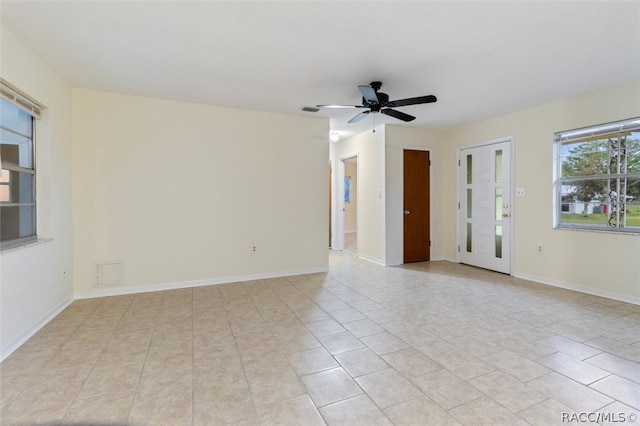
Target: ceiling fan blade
{"type": "Point", "coordinates": [359, 117]}
{"type": "Point", "coordinates": [339, 106]}
{"type": "Point", "coordinates": [413, 101]}
{"type": "Point", "coordinates": [397, 114]}
{"type": "Point", "coordinates": [369, 94]}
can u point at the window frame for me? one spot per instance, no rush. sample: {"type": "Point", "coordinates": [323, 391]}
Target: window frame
{"type": "Point", "coordinates": [585, 134]}
{"type": "Point", "coordinates": [28, 105]}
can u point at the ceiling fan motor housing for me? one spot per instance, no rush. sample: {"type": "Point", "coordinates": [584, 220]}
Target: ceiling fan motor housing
{"type": "Point", "coordinates": [383, 99]}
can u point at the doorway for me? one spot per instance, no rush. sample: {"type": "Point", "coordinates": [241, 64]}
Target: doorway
{"type": "Point", "coordinates": [416, 196]}
{"type": "Point", "coordinates": [484, 211]}
{"type": "Point", "coordinates": [350, 204]}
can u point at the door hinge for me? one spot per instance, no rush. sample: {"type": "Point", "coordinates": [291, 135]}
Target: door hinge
{"type": "Point", "coordinates": [458, 249]}
{"type": "Point", "coordinates": [429, 243]}
{"type": "Point", "coordinates": [458, 206]}
{"type": "Point", "coordinates": [458, 163]}
{"type": "Point", "coordinates": [429, 162]}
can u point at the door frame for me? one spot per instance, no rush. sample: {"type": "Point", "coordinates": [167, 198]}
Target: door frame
{"type": "Point", "coordinates": [459, 232]}
{"type": "Point", "coordinates": [340, 200]}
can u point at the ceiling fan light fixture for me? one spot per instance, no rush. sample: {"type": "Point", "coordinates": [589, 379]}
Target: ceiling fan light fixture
{"type": "Point", "coordinates": [334, 136]}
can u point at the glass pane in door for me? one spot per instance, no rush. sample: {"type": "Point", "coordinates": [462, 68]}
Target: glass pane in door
{"type": "Point", "coordinates": [498, 166]}
{"type": "Point", "coordinates": [499, 242]}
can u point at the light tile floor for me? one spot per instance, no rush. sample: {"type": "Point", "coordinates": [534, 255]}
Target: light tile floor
{"type": "Point", "coordinates": [431, 343]}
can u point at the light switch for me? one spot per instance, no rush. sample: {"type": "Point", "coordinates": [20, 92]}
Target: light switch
{"type": "Point", "coordinates": [520, 192]}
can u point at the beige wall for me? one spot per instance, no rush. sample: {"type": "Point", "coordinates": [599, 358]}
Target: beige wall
{"type": "Point", "coordinates": [178, 193]}
{"type": "Point", "coordinates": [36, 281]}
{"type": "Point", "coordinates": [599, 263]}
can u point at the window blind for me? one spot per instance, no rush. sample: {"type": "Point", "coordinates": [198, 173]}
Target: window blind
{"type": "Point", "coordinates": [20, 99]}
{"type": "Point", "coordinates": [600, 130]}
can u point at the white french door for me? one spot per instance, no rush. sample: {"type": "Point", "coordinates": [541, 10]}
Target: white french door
{"type": "Point", "coordinates": [484, 210]}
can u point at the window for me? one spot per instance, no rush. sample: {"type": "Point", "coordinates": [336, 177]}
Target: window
{"type": "Point", "coordinates": [598, 177]}
{"type": "Point", "coordinates": [17, 172]}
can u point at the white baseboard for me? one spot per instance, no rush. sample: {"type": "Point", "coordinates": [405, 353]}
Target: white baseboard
{"type": "Point", "coordinates": [16, 343]}
{"type": "Point", "coordinates": [120, 291]}
{"type": "Point", "coordinates": [372, 260]}
{"type": "Point", "coordinates": [439, 259]}
{"type": "Point", "coordinates": [582, 289]}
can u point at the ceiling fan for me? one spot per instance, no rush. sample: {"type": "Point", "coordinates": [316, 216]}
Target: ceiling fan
{"type": "Point", "coordinates": [379, 102]}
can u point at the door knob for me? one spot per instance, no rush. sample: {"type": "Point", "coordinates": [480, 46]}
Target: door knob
{"type": "Point", "coordinates": [406, 212]}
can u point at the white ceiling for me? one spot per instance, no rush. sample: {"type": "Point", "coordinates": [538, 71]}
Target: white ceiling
{"type": "Point", "coordinates": [480, 58]}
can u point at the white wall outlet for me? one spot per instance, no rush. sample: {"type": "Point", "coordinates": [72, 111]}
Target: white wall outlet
{"type": "Point", "coordinates": [539, 249]}
{"type": "Point", "coordinates": [254, 249]}
{"type": "Point", "coordinates": [520, 192]}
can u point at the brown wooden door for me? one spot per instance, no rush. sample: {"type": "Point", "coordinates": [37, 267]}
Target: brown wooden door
{"type": "Point", "coordinates": [416, 206]}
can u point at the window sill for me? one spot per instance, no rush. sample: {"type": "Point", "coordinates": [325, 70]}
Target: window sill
{"type": "Point", "coordinates": [597, 230]}
{"type": "Point", "coordinates": [22, 245]}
